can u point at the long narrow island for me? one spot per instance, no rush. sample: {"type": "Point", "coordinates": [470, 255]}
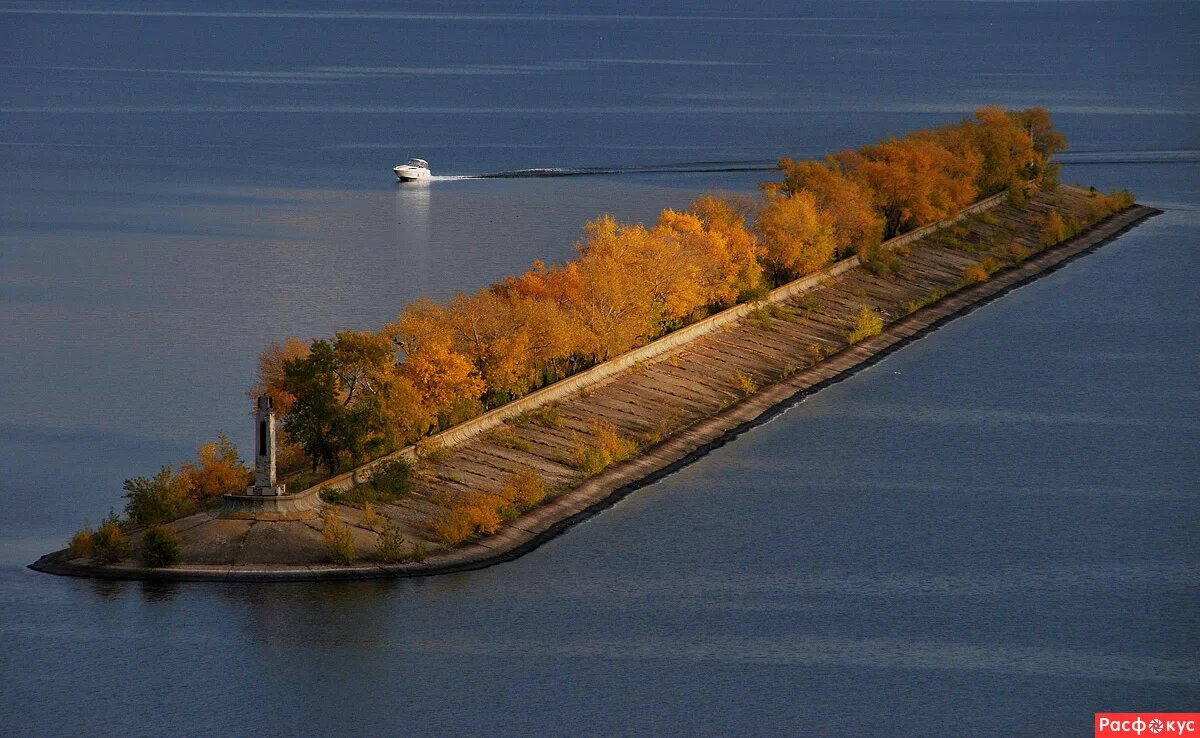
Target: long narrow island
{"type": "Point", "coordinates": [773, 301]}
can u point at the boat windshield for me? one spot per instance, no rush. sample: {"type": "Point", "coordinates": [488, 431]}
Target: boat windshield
{"type": "Point", "coordinates": [418, 163]}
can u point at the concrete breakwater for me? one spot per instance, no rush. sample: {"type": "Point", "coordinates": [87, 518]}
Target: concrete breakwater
{"type": "Point", "coordinates": [691, 392]}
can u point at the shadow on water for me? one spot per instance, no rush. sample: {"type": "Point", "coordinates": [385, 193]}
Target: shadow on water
{"type": "Point", "coordinates": [160, 591]}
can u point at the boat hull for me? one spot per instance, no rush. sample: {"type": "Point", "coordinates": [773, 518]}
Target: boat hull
{"type": "Point", "coordinates": [407, 174]}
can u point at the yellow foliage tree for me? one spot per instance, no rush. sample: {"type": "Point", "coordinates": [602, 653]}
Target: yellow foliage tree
{"type": "Point", "coordinates": [723, 267]}
{"type": "Point", "coordinates": [857, 226]}
{"type": "Point", "coordinates": [797, 237]}
{"type": "Point", "coordinates": [217, 471]}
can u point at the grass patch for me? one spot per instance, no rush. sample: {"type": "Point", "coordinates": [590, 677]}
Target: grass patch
{"type": "Point", "coordinates": [431, 450]}
{"type": "Point", "coordinates": [667, 423]}
{"type": "Point", "coordinates": [760, 317]}
{"type": "Point", "coordinates": [808, 304]}
{"type": "Point", "coordinates": [743, 383]}
{"type": "Point", "coordinates": [507, 438]}
{"type": "Point", "coordinates": [605, 448]}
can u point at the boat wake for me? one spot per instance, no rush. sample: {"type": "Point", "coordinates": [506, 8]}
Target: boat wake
{"type": "Point", "coordinates": [1170, 156]}
{"type": "Point", "coordinates": [699, 167]}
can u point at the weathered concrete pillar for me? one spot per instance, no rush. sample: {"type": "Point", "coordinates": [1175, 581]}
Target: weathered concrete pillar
{"type": "Point", "coordinates": [264, 451]}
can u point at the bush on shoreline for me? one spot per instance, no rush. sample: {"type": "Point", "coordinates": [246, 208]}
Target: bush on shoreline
{"type": "Point", "coordinates": [339, 540]}
{"type": "Point", "coordinates": [161, 546]}
{"type": "Point", "coordinates": [867, 322]}
{"type": "Point", "coordinates": [109, 543]}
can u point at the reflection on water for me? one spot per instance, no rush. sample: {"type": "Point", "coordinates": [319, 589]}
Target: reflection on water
{"type": "Point", "coordinates": [412, 231]}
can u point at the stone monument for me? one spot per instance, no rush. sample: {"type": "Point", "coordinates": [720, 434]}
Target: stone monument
{"type": "Point", "coordinates": [264, 451]}
{"type": "Point", "coordinates": [267, 499]}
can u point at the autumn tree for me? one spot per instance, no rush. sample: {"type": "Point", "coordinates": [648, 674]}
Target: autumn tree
{"type": "Point", "coordinates": [270, 372]}
{"type": "Point", "coordinates": [341, 389]}
{"type": "Point", "coordinates": [797, 237]}
{"type": "Point", "coordinates": [217, 471]}
{"type": "Point", "coordinates": [857, 225]}
{"type": "Point", "coordinates": [714, 238]}
{"type": "Point", "coordinates": [1047, 142]}
{"type": "Point", "coordinates": [1004, 146]}
{"type": "Point", "coordinates": [445, 379]}
{"type": "Point", "coordinates": [913, 181]}
{"type": "Point", "coordinates": [542, 298]}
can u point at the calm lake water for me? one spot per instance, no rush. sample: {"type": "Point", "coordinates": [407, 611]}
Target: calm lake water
{"type": "Point", "coordinates": [990, 532]}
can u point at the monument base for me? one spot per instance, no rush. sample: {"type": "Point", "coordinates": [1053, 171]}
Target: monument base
{"type": "Point", "coordinates": [255, 506]}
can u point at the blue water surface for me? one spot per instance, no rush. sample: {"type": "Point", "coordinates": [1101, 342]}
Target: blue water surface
{"type": "Point", "coordinates": [992, 531]}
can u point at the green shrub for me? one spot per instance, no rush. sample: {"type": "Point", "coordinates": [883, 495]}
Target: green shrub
{"type": "Point", "coordinates": [161, 546]}
{"type": "Point", "coordinates": [389, 480]}
{"type": "Point", "coordinates": [419, 552]}
{"type": "Point", "coordinates": [867, 323]}
{"type": "Point", "coordinates": [1017, 195]}
{"type": "Point", "coordinates": [881, 262]}
{"type": "Point", "coordinates": [159, 499]}
{"type": "Point", "coordinates": [761, 317]}
{"type": "Point", "coordinates": [391, 549]}
{"type": "Point", "coordinates": [753, 293]}
{"type": "Point", "coordinates": [392, 478]}
{"type": "Point", "coordinates": [330, 495]}
{"type": "Point", "coordinates": [808, 304]}
{"type": "Point", "coordinates": [109, 543]}
{"type": "Point", "coordinates": [339, 540]}
{"type": "Point", "coordinates": [80, 544]}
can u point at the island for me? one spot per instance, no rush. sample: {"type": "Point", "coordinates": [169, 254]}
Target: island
{"type": "Point", "coordinates": [466, 434]}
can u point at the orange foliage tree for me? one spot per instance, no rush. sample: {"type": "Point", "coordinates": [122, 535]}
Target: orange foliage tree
{"type": "Point", "coordinates": [270, 372]}
{"type": "Point", "coordinates": [217, 471]}
{"type": "Point", "coordinates": [797, 237]}
{"type": "Point", "coordinates": [914, 181]}
{"type": "Point", "coordinates": [856, 224]}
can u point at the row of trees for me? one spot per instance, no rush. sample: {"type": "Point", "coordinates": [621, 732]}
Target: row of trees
{"type": "Point", "coordinates": [360, 394]}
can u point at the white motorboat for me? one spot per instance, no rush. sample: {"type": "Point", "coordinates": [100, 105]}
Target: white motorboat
{"type": "Point", "coordinates": [413, 169]}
